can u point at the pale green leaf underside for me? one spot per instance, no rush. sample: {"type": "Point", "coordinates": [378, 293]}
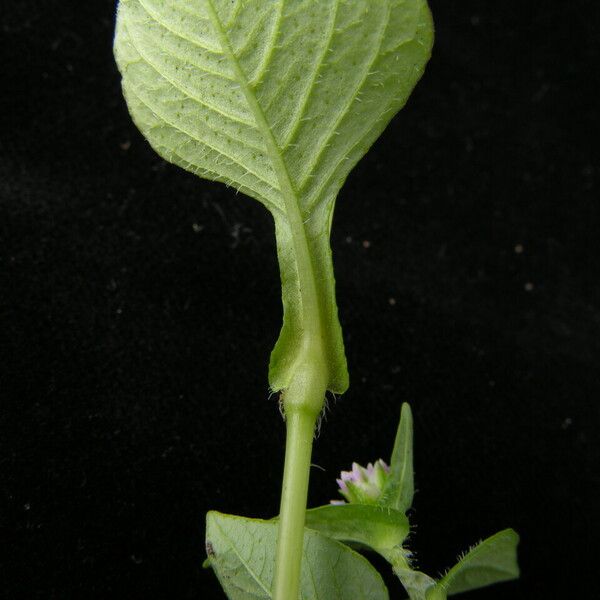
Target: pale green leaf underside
{"type": "Point", "coordinates": [279, 99]}
{"type": "Point", "coordinates": [242, 553]}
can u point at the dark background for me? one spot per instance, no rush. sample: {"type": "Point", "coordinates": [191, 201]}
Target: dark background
{"type": "Point", "coordinates": [138, 307]}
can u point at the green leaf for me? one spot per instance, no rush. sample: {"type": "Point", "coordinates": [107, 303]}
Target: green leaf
{"type": "Point", "coordinates": [418, 585]}
{"type": "Point", "coordinates": [381, 529]}
{"type": "Point", "coordinates": [242, 553]}
{"type": "Point", "coordinates": [400, 488]}
{"type": "Point", "coordinates": [491, 561]}
{"type": "Point", "coordinates": [278, 99]}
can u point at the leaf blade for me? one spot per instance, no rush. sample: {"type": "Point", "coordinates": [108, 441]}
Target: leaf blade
{"type": "Point", "coordinates": [494, 560]}
{"type": "Point", "coordinates": [379, 528]}
{"type": "Point", "coordinates": [400, 488]}
{"type": "Point", "coordinates": [226, 89]}
{"type": "Point", "coordinates": [242, 553]}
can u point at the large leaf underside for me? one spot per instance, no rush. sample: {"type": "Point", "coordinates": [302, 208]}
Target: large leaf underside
{"type": "Point", "coordinates": [242, 553]}
{"type": "Point", "coordinates": [278, 99]}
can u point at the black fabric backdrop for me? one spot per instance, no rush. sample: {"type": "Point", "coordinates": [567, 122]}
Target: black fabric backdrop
{"type": "Point", "coordinates": [138, 307]}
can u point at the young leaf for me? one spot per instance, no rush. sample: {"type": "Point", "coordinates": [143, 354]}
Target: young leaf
{"type": "Point", "coordinates": [242, 553]}
{"type": "Point", "coordinates": [400, 488]}
{"type": "Point", "coordinates": [278, 99]}
{"type": "Point", "coordinates": [381, 529]}
{"type": "Point", "coordinates": [491, 561]}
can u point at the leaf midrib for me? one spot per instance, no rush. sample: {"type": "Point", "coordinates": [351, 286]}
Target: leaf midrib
{"type": "Point", "coordinates": [311, 310]}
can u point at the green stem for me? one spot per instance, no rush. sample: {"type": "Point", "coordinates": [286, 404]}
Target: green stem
{"type": "Point", "coordinates": [286, 584]}
{"type": "Point", "coordinates": [302, 403]}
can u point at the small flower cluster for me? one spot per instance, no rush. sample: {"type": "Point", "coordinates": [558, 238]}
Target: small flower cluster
{"type": "Point", "coordinates": [363, 485]}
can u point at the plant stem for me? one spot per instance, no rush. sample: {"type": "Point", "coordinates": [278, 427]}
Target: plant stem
{"type": "Point", "coordinates": [300, 429]}
{"type": "Point", "coordinates": [302, 404]}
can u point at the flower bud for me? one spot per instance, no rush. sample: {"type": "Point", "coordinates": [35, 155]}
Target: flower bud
{"type": "Point", "coordinates": [363, 485]}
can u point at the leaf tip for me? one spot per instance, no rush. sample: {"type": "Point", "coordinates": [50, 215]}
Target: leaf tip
{"type": "Point", "coordinates": [406, 411]}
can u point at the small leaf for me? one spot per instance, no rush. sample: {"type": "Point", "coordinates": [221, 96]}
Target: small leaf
{"type": "Point", "coordinates": [381, 529]}
{"type": "Point", "coordinates": [400, 488]}
{"type": "Point", "coordinates": [242, 553]}
{"type": "Point", "coordinates": [492, 561]}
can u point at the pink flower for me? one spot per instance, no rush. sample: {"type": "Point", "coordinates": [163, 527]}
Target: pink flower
{"type": "Point", "coordinates": [363, 485]}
